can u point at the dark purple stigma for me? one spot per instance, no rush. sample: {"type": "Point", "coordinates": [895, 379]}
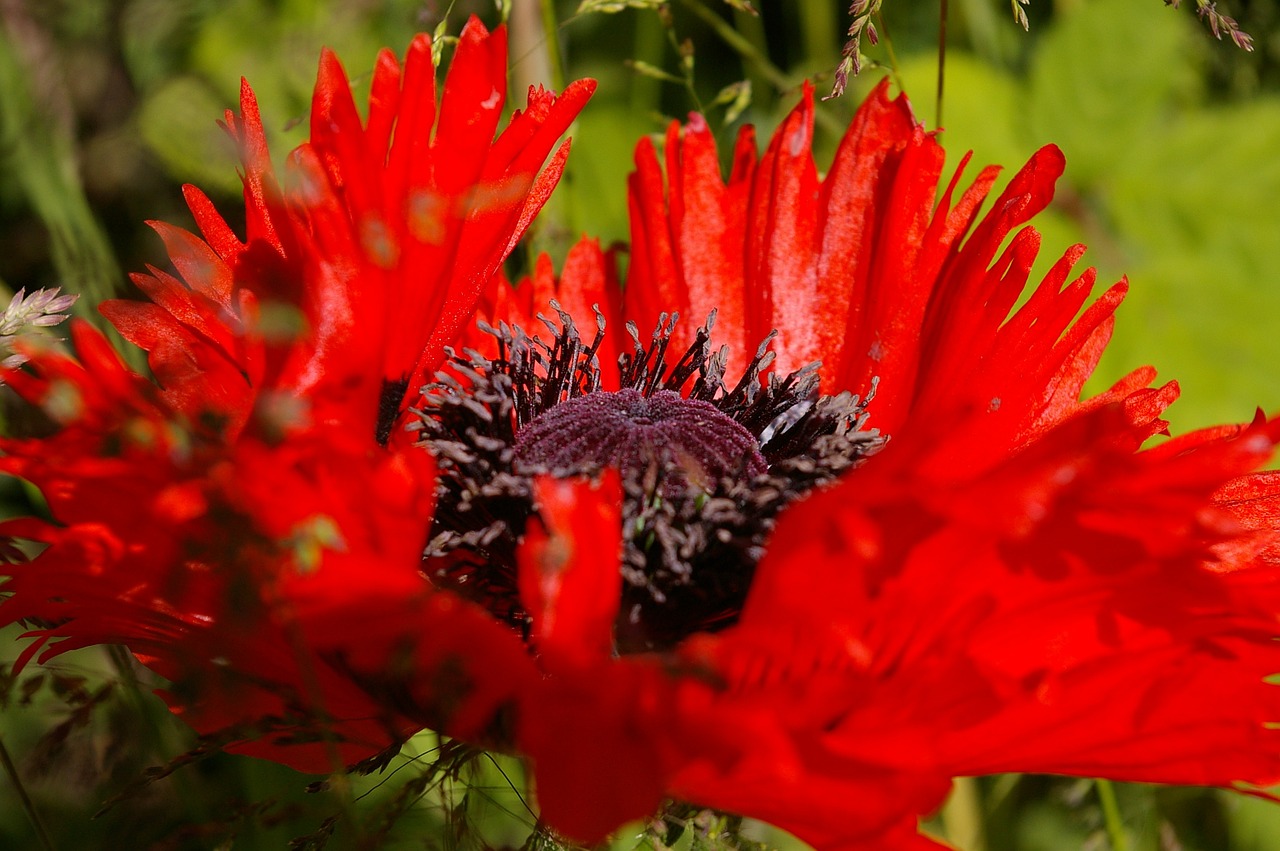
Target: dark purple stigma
{"type": "Point", "coordinates": [705, 467]}
{"type": "Point", "coordinates": [685, 443]}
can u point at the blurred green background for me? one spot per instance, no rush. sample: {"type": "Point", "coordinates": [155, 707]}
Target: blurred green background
{"type": "Point", "coordinates": [108, 106]}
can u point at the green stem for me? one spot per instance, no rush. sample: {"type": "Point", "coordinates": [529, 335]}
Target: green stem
{"type": "Point", "coordinates": [962, 815]}
{"type": "Point", "coordinates": [646, 92]}
{"type": "Point", "coordinates": [887, 41]}
{"type": "Point", "coordinates": [752, 26]}
{"type": "Point", "coordinates": [46, 841]}
{"type": "Point", "coordinates": [739, 43]}
{"type": "Point", "coordinates": [1000, 790]}
{"type": "Point", "coordinates": [686, 66]}
{"type": "Point", "coordinates": [141, 706]}
{"type": "Point", "coordinates": [40, 160]}
{"type": "Point", "coordinates": [1111, 815]}
{"type": "Point", "coordinates": [551, 29]}
{"type": "Point", "coordinates": [943, 9]}
{"type": "Point", "coordinates": [535, 41]}
{"type": "Point", "coordinates": [744, 48]}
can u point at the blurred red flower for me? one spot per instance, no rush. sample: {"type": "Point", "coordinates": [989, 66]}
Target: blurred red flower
{"type": "Point", "coordinates": [230, 524]}
{"type": "Point", "coordinates": [1011, 584]}
{"type": "Point", "coordinates": [700, 575]}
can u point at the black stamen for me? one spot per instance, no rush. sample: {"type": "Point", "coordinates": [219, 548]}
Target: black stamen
{"type": "Point", "coordinates": [701, 495]}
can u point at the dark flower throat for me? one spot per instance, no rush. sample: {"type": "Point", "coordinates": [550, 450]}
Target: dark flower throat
{"type": "Point", "coordinates": [705, 470]}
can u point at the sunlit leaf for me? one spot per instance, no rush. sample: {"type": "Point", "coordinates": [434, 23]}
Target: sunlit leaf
{"type": "Point", "coordinates": [653, 71]}
{"type": "Point", "coordinates": [609, 7]}
{"type": "Point", "coordinates": [736, 97]}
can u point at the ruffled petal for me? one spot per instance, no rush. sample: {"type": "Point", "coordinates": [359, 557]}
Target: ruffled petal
{"type": "Point", "coordinates": [246, 502]}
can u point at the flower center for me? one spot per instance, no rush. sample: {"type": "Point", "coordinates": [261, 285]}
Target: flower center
{"type": "Point", "coordinates": [686, 442]}
{"type": "Point", "coordinates": [705, 469]}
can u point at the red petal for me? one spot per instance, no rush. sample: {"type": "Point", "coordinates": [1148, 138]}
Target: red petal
{"type": "Point", "coordinates": [570, 581]}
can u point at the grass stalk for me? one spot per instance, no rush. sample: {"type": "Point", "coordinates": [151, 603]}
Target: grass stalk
{"type": "Point", "coordinates": [742, 46]}
{"type": "Point", "coordinates": [887, 40]}
{"type": "Point", "coordinates": [943, 11]}
{"type": "Point", "coordinates": [779, 79]}
{"type": "Point", "coordinates": [37, 153]}
{"type": "Point", "coordinates": [28, 806]}
{"type": "Point", "coordinates": [962, 815]}
{"type": "Point", "coordinates": [1111, 815]}
{"type": "Point", "coordinates": [551, 43]}
{"type": "Point", "coordinates": [752, 26]}
{"type": "Point", "coordinates": [139, 702]}
{"type": "Point", "coordinates": [646, 91]}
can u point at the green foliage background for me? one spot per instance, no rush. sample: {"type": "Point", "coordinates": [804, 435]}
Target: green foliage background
{"type": "Point", "coordinates": [107, 106]}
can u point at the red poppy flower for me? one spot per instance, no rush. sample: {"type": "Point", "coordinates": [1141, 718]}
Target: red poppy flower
{"type": "Point", "coordinates": [373, 253]}
{"type": "Point", "coordinates": [702, 574]}
{"type": "Point", "coordinates": [229, 524]}
{"type": "Point", "coordinates": [1010, 583]}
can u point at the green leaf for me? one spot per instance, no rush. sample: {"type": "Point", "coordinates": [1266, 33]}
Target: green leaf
{"type": "Point", "coordinates": [40, 159]}
{"type": "Point", "coordinates": [646, 70]}
{"type": "Point", "coordinates": [609, 7]}
{"type": "Point", "coordinates": [737, 97]}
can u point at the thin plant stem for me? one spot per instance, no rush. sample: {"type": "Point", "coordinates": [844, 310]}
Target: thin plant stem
{"type": "Point", "coordinates": [752, 26]}
{"type": "Point", "coordinates": [41, 162]}
{"type": "Point", "coordinates": [1111, 815]}
{"type": "Point", "coordinates": [962, 815]}
{"type": "Point", "coordinates": [646, 92]}
{"type": "Point", "coordinates": [686, 68]}
{"type": "Point", "coordinates": [943, 10]}
{"type": "Point", "coordinates": [535, 37]}
{"type": "Point", "coordinates": [510, 783]}
{"type": "Point", "coordinates": [28, 806]}
{"type": "Point", "coordinates": [122, 661]}
{"type": "Point", "coordinates": [887, 41]}
{"type": "Point", "coordinates": [744, 48]}
{"type": "Point", "coordinates": [1000, 790]}
{"type": "Point", "coordinates": [741, 45]}
{"type": "Point", "coordinates": [551, 29]}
